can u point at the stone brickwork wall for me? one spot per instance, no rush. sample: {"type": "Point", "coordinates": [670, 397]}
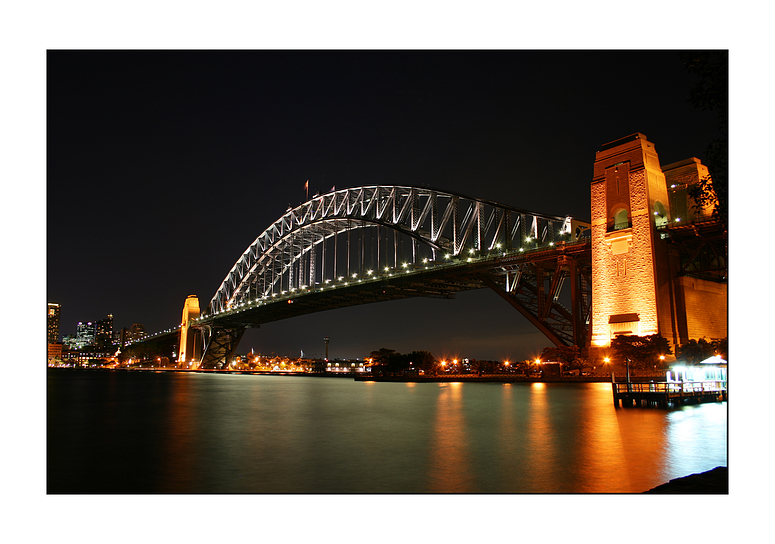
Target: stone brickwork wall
{"type": "Point", "coordinates": [623, 268]}
{"type": "Point", "coordinates": [704, 307]}
{"type": "Point", "coordinates": [640, 284]}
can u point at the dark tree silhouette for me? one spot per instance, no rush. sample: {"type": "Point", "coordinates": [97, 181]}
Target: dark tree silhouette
{"type": "Point", "coordinates": [642, 351]}
{"type": "Point", "coordinates": [423, 360]}
{"type": "Point", "coordinates": [390, 361]}
{"type": "Point", "coordinates": [695, 351]}
{"type": "Point", "coordinates": [569, 356]}
{"type": "Point", "coordinates": [720, 347]}
{"type": "Point", "coordinates": [711, 93]}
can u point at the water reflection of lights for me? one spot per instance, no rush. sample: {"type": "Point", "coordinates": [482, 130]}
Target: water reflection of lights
{"type": "Point", "coordinates": [449, 473]}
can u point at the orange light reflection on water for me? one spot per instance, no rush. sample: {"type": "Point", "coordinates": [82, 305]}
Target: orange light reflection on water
{"type": "Point", "coordinates": [540, 436]}
{"type": "Point", "coordinates": [449, 467]}
{"type": "Point", "coordinates": [600, 443]}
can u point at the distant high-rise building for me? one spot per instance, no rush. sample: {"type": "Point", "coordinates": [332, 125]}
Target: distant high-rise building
{"type": "Point", "coordinates": [70, 341]}
{"type": "Point", "coordinates": [103, 330]}
{"type": "Point", "coordinates": [53, 323]}
{"type": "Point", "coordinates": [84, 335]}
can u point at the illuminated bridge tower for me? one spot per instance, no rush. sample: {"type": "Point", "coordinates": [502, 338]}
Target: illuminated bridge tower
{"type": "Point", "coordinates": [188, 336]}
{"type": "Point", "coordinates": [646, 277]}
{"type": "Point", "coordinates": [630, 273]}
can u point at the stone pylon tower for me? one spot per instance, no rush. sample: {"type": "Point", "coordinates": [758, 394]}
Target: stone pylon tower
{"type": "Point", "coordinates": [188, 344]}
{"type": "Point", "coordinates": [631, 279]}
{"type": "Point", "coordinates": [659, 264]}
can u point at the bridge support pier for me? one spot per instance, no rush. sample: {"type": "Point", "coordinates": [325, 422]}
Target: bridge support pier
{"type": "Point", "coordinates": [220, 343]}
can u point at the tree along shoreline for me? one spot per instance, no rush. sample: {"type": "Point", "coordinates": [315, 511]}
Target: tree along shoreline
{"type": "Point", "coordinates": [505, 378]}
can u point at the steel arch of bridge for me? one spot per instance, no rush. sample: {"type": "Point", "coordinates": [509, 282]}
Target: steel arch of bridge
{"type": "Point", "coordinates": [447, 242]}
{"type": "Point", "coordinates": [444, 223]}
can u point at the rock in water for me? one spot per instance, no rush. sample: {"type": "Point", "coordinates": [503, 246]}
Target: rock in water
{"type": "Point", "coordinates": [712, 481]}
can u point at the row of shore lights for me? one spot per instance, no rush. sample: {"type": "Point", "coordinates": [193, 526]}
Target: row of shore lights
{"type": "Point", "coordinates": [370, 273]}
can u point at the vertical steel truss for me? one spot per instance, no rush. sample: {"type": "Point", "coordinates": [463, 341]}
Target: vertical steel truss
{"type": "Point", "coordinates": [432, 223]}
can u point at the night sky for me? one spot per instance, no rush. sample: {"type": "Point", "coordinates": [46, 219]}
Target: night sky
{"type": "Point", "coordinates": [162, 167]}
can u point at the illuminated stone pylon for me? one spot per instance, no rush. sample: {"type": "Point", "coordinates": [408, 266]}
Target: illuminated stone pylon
{"type": "Point", "coordinates": [659, 263]}
{"type": "Point", "coordinates": [188, 344]}
{"type": "Point", "coordinates": [630, 273]}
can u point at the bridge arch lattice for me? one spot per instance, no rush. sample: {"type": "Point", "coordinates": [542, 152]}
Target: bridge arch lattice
{"type": "Point", "coordinates": [356, 231]}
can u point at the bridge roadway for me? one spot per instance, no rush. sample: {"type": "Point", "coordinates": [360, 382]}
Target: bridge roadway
{"type": "Point", "coordinates": [439, 280]}
{"type": "Point", "coordinates": [536, 278]}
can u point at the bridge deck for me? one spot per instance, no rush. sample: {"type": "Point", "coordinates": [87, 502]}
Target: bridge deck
{"type": "Point", "coordinates": [438, 280]}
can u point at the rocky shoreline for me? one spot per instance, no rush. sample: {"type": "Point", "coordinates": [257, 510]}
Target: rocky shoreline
{"type": "Point", "coordinates": [714, 481]}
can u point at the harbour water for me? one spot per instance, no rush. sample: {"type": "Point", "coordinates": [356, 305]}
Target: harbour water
{"type": "Point", "coordinates": [163, 432]}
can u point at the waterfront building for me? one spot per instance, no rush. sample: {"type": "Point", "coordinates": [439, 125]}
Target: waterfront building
{"type": "Point", "coordinates": [643, 280]}
{"type": "Point", "coordinates": [89, 356]}
{"type": "Point", "coordinates": [53, 322]}
{"type": "Point", "coordinates": [54, 351]}
{"type": "Point", "coordinates": [711, 369]}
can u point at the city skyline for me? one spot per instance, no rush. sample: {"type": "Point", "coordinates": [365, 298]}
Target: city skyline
{"type": "Point", "coordinates": [171, 163]}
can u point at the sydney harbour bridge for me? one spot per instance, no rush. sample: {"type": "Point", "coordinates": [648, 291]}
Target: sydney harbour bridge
{"type": "Point", "coordinates": [371, 244]}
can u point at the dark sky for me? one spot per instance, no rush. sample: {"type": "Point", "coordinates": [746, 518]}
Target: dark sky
{"type": "Point", "coordinates": [162, 167]}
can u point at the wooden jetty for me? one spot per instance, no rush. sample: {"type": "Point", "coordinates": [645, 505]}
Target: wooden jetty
{"type": "Point", "coordinates": [662, 394]}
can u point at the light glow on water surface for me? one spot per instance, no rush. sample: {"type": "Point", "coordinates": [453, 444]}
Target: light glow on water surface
{"type": "Point", "coordinates": [209, 433]}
